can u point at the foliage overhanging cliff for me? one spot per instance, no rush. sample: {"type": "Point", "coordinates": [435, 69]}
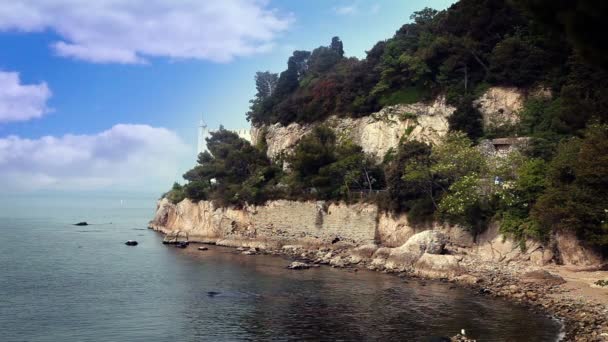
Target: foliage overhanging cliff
{"type": "Point", "coordinates": [559, 181]}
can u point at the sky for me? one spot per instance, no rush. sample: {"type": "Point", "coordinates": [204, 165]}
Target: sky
{"type": "Point", "coordinates": [106, 94]}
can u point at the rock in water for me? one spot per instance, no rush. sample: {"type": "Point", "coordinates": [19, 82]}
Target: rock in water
{"type": "Point", "coordinates": [297, 265]}
{"type": "Point", "coordinates": [203, 248]}
{"type": "Point", "coordinates": [182, 244]}
{"type": "Point", "coordinates": [131, 243]}
{"type": "Point", "coordinates": [83, 223]}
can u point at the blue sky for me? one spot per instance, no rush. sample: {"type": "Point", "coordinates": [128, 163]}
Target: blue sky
{"type": "Point", "coordinates": [152, 70]}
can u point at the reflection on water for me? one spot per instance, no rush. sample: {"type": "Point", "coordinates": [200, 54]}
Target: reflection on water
{"type": "Point", "coordinates": [66, 283]}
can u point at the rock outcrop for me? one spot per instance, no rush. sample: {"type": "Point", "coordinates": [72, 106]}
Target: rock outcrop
{"type": "Point", "coordinates": [500, 106]}
{"type": "Point", "coordinates": [381, 131]}
{"type": "Point", "coordinates": [376, 133]}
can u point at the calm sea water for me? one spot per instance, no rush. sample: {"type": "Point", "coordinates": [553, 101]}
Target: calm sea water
{"type": "Point", "coordinates": [59, 282]}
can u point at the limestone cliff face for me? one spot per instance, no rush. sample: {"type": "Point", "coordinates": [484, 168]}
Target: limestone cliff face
{"type": "Point", "coordinates": [376, 133]}
{"type": "Point", "coordinates": [500, 106]}
{"type": "Point", "coordinates": [380, 131]}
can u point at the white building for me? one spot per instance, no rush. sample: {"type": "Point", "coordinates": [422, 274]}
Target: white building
{"type": "Point", "coordinates": [204, 132]}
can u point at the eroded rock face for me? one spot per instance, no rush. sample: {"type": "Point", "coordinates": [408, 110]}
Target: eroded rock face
{"type": "Point", "coordinates": [429, 242]}
{"type": "Point", "coordinates": [571, 252]}
{"type": "Point", "coordinates": [493, 246]}
{"type": "Point", "coordinates": [500, 106]}
{"type": "Point", "coordinates": [376, 133]}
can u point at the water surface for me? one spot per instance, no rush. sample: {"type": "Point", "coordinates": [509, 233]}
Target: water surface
{"type": "Point", "coordinates": [61, 282]}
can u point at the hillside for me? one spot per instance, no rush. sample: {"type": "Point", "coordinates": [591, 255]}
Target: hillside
{"type": "Point", "coordinates": [464, 58]}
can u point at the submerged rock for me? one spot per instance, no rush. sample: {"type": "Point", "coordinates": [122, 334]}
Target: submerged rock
{"type": "Point", "coordinates": [182, 244]}
{"type": "Point", "coordinates": [83, 223]}
{"type": "Point", "coordinates": [131, 243]}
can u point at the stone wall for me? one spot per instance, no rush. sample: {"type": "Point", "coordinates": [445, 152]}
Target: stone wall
{"type": "Point", "coordinates": [276, 223]}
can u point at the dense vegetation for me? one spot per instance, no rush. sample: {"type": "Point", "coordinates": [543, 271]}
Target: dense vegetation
{"type": "Point", "coordinates": [559, 183]}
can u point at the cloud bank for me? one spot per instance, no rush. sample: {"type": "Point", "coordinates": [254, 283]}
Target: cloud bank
{"type": "Point", "coordinates": [21, 102]}
{"type": "Point", "coordinates": [123, 157]}
{"type": "Point", "coordinates": [130, 31]}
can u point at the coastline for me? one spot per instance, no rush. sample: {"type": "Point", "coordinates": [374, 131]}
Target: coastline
{"type": "Point", "coordinates": [583, 317]}
{"type": "Point", "coordinates": [358, 236]}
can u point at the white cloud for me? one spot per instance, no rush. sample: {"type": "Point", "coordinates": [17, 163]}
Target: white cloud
{"type": "Point", "coordinates": [123, 157]}
{"type": "Point", "coordinates": [346, 10]}
{"type": "Point", "coordinates": [21, 102]}
{"type": "Point", "coordinates": [130, 31]}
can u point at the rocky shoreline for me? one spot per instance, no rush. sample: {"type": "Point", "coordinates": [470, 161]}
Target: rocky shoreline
{"type": "Point", "coordinates": [540, 290]}
{"type": "Point", "coordinates": [358, 236]}
{"type": "Point", "coordinates": [582, 320]}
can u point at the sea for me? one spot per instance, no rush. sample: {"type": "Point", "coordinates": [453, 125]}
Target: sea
{"type": "Point", "coordinates": [61, 282]}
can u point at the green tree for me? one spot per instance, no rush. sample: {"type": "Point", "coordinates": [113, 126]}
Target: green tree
{"type": "Point", "coordinates": [577, 188]}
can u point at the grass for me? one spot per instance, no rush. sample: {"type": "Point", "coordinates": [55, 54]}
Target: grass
{"type": "Point", "coordinates": [402, 96]}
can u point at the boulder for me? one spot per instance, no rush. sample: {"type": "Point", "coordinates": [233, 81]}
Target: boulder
{"type": "Point", "coordinates": [131, 243]}
{"type": "Point", "coordinates": [430, 242]}
{"type": "Point", "coordinates": [251, 251]}
{"type": "Point", "coordinates": [542, 276]}
{"type": "Point", "coordinates": [365, 251]}
{"type": "Point", "coordinates": [203, 248]}
{"type": "Point", "coordinates": [83, 223]}
{"type": "Point", "coordinates": [437, 266]}
{"type": "Point", "coordinates": [337, 261]}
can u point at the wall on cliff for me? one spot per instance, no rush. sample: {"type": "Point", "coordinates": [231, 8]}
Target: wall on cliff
{"type": "Point", "coordinates": [277, 222]}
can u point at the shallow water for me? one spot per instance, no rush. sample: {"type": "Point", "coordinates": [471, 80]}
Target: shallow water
{"type": "Point", "coordinates": [65, 283]}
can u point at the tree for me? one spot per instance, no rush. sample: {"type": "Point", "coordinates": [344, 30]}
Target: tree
{"type": "Point", "coordinates": [337, 46]}
{"type": "Point", "coordinates": [261, 105]}
{"type": "Point", "coordinates": [325, 169]}
{"type": "Point", "coordinates": [577, 188]}
{"type": "Point", "coordinates": [578, 20]}
{"type": "Point", "coordinates": [410, 194]}
{"type": "Point", "coordinates": [467, 118]}
{"type": "Point", "coordinates": [265, 83]}
{"type": "Point", "coordinates": [232, 173]}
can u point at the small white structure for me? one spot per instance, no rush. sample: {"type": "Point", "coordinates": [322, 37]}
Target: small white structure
{"type": "Point", "coordinates": [204, 132]}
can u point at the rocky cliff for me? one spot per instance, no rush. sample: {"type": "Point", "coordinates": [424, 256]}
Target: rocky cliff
{"type": "Point", "coordinates": [376, 133]}
{"type": "Point", "coordinates": [383, 130]}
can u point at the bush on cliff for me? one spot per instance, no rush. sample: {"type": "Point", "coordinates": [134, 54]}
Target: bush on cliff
{"type": "Point", "coordinates": [323, 168]}
{"type": "Point", "coordinates": [576, 195]}
{"type": "Point", "coordinates": [232, 173]}
{"type": "Point", "coordinates": [176, 194]}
